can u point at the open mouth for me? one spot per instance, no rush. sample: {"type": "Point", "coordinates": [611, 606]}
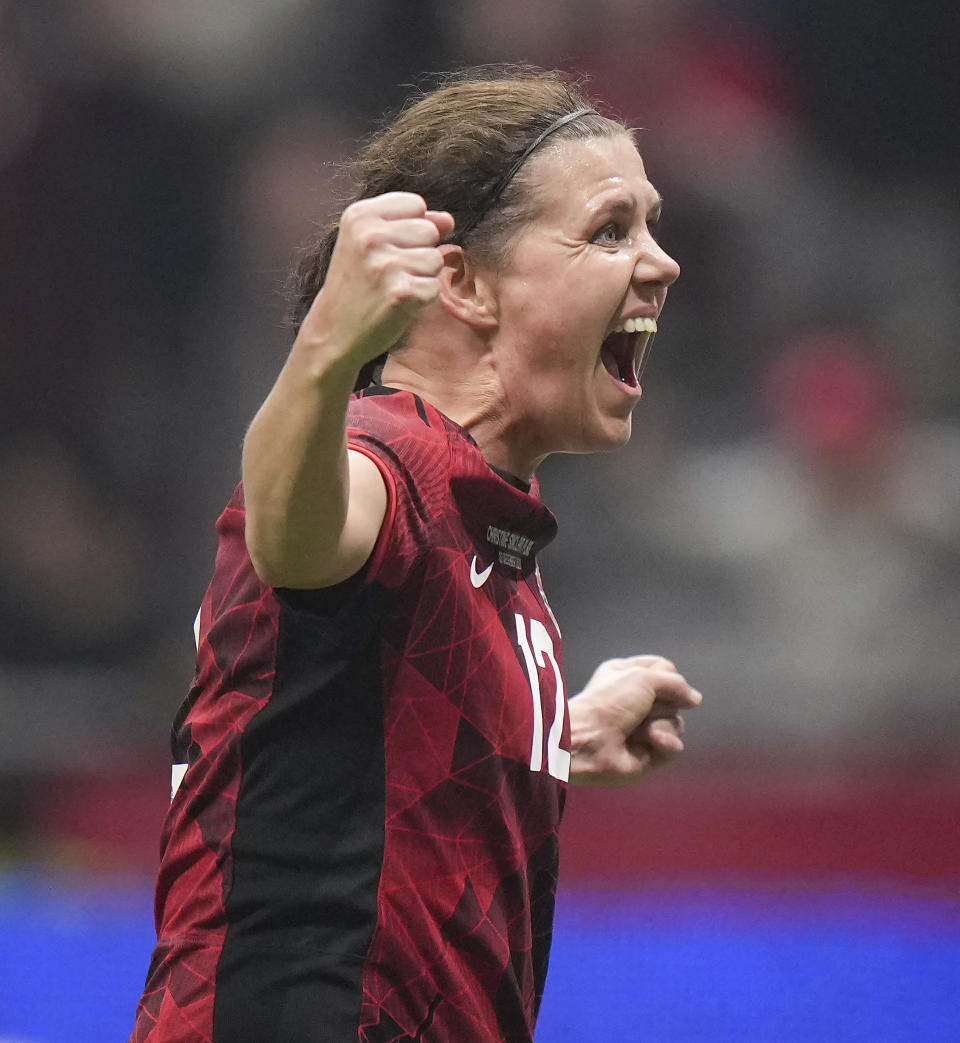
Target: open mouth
{"type": "Point", "coordinates": [625, 351]}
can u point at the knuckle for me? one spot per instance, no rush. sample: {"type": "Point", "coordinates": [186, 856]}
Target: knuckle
{"type": "Point", "coordinates": [370, 236]}
{"type": "Point", "coordinates": [406, 289]}
{"type": "Point", "coordinates": [353, 213]}
{"type": "Point", "coordinates": [426, 290]}
{"type": "Point", "coordinates": [395, 285]}
{"type": "Point", "coordinates": [380, 265]}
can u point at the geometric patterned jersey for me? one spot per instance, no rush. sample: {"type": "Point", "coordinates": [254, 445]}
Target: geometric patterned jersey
{"type": "Point", "coordinates": [369, 779]}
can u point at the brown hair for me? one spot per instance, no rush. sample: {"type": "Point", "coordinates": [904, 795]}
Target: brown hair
{"type": "Point", "coordinates": [455, 145]}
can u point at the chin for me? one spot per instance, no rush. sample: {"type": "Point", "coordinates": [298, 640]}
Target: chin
{"type": "Point", "coordinates": [620, 437]}
{"type": "Point", "coordinates": [611, 434]}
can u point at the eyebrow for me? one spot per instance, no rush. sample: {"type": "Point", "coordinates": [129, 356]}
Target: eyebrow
{"type": "Point", "coordinates": [623, 206]}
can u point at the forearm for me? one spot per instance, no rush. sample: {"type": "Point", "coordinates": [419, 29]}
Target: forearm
{"type": "Point", "coordinates": [295, 473]}
{"type": "Point", "coordinates": [314, 510]}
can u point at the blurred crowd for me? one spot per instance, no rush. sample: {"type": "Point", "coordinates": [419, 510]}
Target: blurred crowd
{"type": "Point", "coordinates": [785, 522]}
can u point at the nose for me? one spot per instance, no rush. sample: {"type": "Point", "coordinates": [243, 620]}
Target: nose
{"type": "Point", "coordinates": [655, 265]}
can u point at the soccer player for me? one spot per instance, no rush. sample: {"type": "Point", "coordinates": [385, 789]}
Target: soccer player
{"type": "Point", "coordinates": [371, 763]}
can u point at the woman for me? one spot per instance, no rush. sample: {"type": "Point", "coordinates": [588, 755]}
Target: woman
{"type": "Point", "coordinates": [362, 842]}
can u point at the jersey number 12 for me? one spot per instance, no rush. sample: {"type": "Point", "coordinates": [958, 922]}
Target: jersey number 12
{"type": "Point", "coordinates": [537, 649]}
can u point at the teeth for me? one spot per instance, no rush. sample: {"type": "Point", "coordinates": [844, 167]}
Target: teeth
{"type": "Point", "coordinates": [637, 326]}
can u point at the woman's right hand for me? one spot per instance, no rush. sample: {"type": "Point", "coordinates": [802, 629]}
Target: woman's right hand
{"type": "Point", "coordinates": [383, 271]}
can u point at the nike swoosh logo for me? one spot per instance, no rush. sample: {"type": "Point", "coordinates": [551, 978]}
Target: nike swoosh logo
{"type": "Point", "coordinates": [479, 578]}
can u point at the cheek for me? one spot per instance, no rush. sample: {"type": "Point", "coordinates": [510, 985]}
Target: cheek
{"type": "Point", "coordinates": [562, 317]}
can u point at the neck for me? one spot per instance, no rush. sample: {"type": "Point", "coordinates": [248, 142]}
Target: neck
{"type": "Point", "coordinates": [466, 387]}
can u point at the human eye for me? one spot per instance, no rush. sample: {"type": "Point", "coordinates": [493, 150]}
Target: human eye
{"type": "Point", "coordinates": [612, 233]}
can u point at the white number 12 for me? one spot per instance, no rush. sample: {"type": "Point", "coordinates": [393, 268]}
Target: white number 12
{"type": "Point", "coordinates": [537, 649]}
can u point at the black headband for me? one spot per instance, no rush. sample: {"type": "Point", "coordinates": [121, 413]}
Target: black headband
{"type": "Point", "coordinates": [512, 172]}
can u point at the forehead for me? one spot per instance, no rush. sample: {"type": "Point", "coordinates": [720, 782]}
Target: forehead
{"type": "Point", "coordinates": [582, 175]}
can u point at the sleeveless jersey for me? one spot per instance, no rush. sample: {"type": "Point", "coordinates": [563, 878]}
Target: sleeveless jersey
{"type": "Point", "coordinates": [369, 779]}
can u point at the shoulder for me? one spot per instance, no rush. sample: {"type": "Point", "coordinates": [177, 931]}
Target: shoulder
{"type": "Point", "coordinates": [434, 462]}
{"type": "Point", "coordinates": [388, 414]}
{"type": "Point", "coordinates": [407, 436]}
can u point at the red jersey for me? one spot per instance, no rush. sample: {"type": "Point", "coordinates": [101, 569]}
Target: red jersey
{"type": "Point", "coordinates": [362, 842]}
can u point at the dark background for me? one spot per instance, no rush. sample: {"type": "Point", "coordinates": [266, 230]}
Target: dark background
{"type": "Point", "coordinates": [784, 524]}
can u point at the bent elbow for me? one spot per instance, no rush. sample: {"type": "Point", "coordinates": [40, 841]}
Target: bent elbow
{"type": "Point", "coordinates": [269, 571]}
{"type": "Point", "coordinates": [295, 567]}
{"type": "Point", "coordinates": [266, 555]}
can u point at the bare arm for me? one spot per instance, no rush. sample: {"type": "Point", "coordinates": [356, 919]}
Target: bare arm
{"type": "Point", "coordinates": [627, 719]}
{"type": "Point", "coordinates": [314, 510]}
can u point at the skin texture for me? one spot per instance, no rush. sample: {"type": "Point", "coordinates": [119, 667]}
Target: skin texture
{"type": "Point", "coordinates": [588, 261]}
{"type": "Point", "coordinates": [529, 381]}
{"type": "Point", "coordinates": [313, 513]}
{"type": "Point", "coordinates": [627, 719]}
{"type": "Point", "coordinates": [512, 354]}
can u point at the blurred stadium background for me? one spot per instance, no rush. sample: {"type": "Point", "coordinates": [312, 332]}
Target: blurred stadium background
{"type": "Point", "coordinates": [784, 525]}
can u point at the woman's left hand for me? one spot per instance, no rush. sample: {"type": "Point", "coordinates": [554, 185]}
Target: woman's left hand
{"type": "Point", "coordinates": [627, 719]}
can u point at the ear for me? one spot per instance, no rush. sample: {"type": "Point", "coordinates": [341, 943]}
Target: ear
{"type": "Point", "coordinates": [466, 290]}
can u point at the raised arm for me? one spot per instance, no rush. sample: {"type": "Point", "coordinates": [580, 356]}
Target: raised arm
{"type": "Point", "coordinates": [314, 510]}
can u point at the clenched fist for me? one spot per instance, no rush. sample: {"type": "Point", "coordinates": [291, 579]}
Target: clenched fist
{"type": "Point", "coordinates": [383, 271]}
{"type": "Point", "coordinates": [627, 719]}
